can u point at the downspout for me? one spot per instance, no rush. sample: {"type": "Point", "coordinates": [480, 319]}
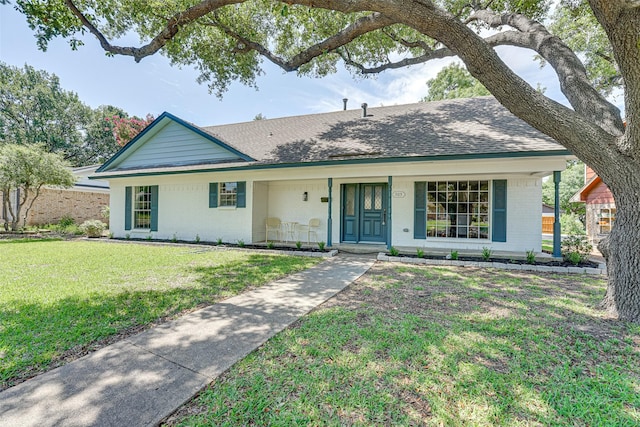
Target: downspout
{"type": "Point", "coordinates": [329, 220]}
{"type": "Point", "coordinates": [390, 198]}
{"type": "Point", "coordinates": [557, 236]}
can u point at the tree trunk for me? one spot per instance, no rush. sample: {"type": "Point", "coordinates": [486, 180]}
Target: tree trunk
{"type": "Point", "coordinates": [622, 252]}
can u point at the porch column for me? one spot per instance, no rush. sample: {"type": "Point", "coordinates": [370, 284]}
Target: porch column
{"type": "Point", "coordinates": [388, 218]}
{"type": "Point", "coordinates": [557, 232]}
{"type": "Point", "coordinates": [329, 220]}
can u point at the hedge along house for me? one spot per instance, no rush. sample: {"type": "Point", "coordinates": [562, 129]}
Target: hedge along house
{"type": "Point", "coordinates": [457, 174]}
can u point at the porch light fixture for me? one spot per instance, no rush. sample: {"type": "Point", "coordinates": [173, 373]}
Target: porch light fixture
{"type": "Point", "coordinates": [305, 196]}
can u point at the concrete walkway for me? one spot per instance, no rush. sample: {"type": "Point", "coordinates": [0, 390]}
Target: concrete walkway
{"type": "Point", "coordinates": [142, 379]}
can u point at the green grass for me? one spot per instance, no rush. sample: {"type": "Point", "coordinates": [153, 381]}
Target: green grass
{"type": "Point", "coordinates": [547, 245]}
{"type": "Point", "coordinates": [58, 298]}
{"type": "Point", "coordinates": [414, 346]}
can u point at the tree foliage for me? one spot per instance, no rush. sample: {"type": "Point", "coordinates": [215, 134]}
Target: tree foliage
{"type": "Point", "coordinates": [24, 170]}
{"type": "Point", "coordinates": [35, 109]}
{"type": "Point", "coordinates": [227, 40]}
{"type": "Point", "coordinates": [571, 181]}
{"type": "Point", "coordinates": [124, 129]}
{"type": "Point", "coordinates": [454, 81]}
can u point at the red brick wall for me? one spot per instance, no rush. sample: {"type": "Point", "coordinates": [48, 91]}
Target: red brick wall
{"type": "Point", "coordinates": [53, 204]}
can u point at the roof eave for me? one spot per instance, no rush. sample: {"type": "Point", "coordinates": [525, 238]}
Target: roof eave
{"type": "Point", "coordinates": [259, 166]}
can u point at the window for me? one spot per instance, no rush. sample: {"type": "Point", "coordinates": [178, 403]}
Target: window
{"type": "Point", "coordinates": [142, 207]}
{"type": "Point", "coordinates": [228, 194]}
{"type": "Point", "coordinates": [606, 219]}
{"type": "Point", "coordinates": [457, 209]}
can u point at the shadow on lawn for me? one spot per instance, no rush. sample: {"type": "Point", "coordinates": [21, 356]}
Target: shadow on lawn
{"type": "Point", "coordinates": [38, 337]}
{"type": "Point", "coordinates": [419, 345]}
{"type": "Point", "coordinates": [509, 347]}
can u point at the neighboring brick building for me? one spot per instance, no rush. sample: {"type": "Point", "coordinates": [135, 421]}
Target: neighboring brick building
{"type": "Point", "coordinates": [600, 206]}
{"type": "Point", "coordinates": [84, 201]}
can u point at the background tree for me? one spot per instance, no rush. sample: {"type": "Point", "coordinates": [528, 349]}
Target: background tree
{"type": "Point", "coordinates": [226, 40]}
{"type": "Point", "coordinates": [34, 109]}
{"type": "Point", "coordinates": [454, 81]}
{"type": "Point", "coordinates": [99, 141]}
{"type": "Point", "coordinates": [124, 129]}
{"type": "Point", "coordinates": [24, 170]}
{"type": "Point", "coordinates": [572, 180]}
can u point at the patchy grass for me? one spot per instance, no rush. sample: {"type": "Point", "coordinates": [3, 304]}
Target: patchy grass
{"type": "Point", "coordinates": [61, 299]}
{"type": "Point", "coordinates": [547, 246]}
{"type": "Point", "coordinates": [418, 346]}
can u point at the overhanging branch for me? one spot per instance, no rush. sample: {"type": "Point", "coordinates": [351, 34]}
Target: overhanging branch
{"type": "Point", "coordinates": [168, 32]}
{"type": "Point", "coordinates": [361, 26]}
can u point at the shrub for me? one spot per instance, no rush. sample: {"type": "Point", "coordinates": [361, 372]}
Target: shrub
{"type": "Point", "coordinates": [150, 236]}
{"type": "Point", "coordinates": [174, 238]}
{"type": "Point", "coordinates": [105, 212]}
{"type": "Point", "coordinates": [393, 251]}
{"type": "Point", "coordinates": [454, 255]}
{"type": "Point", "coordinates": [93, 228]}
{"type": "Point", "coordinates": [486, 253]}
{"type": "Point", "coordinates": [270, 245]}
{"type": "Point", "coordinates": [66, 221]}
{"type": "Point", "coordinates": [298, 244]}
{"type": "Point", "coordinates": [197, 240]}
{"type": "Point", "coordinates": [420, 253]}
{"type": "Point", "coordinates": [241, 243]}
{"type": "Point", "coordinates": [219, 241]}
{"type": "Point", "coordinates": [571, 225]}
{"type": "Point", "coordinates": [576, 249]}
{"type": "Point", "coordinates": [321, 246]}
{"type": "Point", "coordinates": [531, 257]}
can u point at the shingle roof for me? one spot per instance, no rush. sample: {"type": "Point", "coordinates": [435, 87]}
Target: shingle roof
{"type": "Point", "coordinates": [451, 127]}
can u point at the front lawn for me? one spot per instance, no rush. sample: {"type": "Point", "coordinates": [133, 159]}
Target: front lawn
{"type": "Point", "coordinates": [414, 346]}
{"type": "Point", "coordinates": [60, 299]}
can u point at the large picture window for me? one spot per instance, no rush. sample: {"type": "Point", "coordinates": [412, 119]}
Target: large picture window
{"type": "Point", "coordinates": [142, 207]}
{"type": "Point", "coordinates": [228, 194]}
{"type": "Point", "coordinates": [457, 209]}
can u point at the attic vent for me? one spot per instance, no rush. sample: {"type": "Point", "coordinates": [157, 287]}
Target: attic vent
{"type": "Point", "coordinates": [364, 109]}
{"type": "Point", "coordinates": [344, 101]}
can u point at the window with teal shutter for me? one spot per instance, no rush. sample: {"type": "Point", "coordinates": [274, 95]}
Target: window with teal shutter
{"type": "Point", "coordinates": [128, 199]}
{"type": "Point", "coordinates": [213, 195]}
{"type": "Point", "coordinates": [420, 211]}
{"type": "Point", "coordinates": [154, 208]}
{"type": "Point", "coordinates": [242, 194]}
{"type": "Point", "coordinates": [228, 194]}
{"type": "Point", "coordinates": [499, 229]}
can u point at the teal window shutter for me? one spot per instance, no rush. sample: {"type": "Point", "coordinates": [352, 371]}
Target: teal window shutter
{"type": "Point", "coordinates": [128, 199]}
{"type": "Point", "coordinates": [499, 227]}
{"type": "Point", "coordinates": [213, 195]}
{"type": "Point", "coordinates": [241, 195]}
{"type": "Point", "coordinates": [420, 211]}
{"type": "Point", "coordinates": [154, 208]}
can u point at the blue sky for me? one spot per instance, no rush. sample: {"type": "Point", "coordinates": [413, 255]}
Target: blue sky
{"type": "Point", "coordinates": [153, 86]}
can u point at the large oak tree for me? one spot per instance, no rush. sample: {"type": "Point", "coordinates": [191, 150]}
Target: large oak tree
{"type": "Point", "coordinates": [226, 40]}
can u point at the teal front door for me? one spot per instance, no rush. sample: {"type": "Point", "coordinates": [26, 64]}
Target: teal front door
{"type": "Point", "coordinates": [364, 213]}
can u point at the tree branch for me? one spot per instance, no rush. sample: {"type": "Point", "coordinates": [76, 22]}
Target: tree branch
{"type": "Point", "coordinates": [572, 75]}
{"type": "Point", "coordinates": [361, 26]}
{"type": "Point", "coordinates": [511, 38]}
{"type": "Point", "coordinates": [168, 32]}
